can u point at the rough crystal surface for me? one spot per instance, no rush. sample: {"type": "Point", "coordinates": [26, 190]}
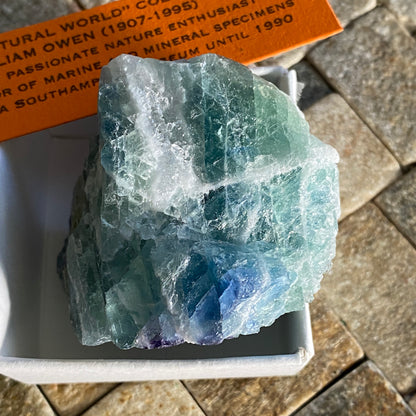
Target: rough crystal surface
{"type": "Point", "coordinates": [205, 211]}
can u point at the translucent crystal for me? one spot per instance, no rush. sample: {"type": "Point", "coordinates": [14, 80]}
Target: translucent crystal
{"type": "Point", "coordinates": [206, 210]}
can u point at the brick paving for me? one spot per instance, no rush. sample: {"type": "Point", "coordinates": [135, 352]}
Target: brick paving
{"type": "Point", "coordinates": [335, 352]}
{"type": "Point", "coordinates": [164, 398]}
{"type": "Point", "coordinates": [372, 64]}
{"type": "Point", "coordinates": [73, 399]}
{"type": "Point", "coordinates": [363, 392]}
{"type": "Point", "coordinates": [359, 96]}
{"type": "Point", "coordinates": [372, 287]}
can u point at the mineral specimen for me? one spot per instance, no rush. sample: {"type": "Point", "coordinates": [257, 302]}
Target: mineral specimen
{"type": "Point", "coordinates": [205, 211]}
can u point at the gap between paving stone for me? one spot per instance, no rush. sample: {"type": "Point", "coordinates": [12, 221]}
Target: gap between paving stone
{"type": "Point", "coordinates": [345, 373]}
{"type": "Point", "coordinates": [19, 13]}
{"type": "Point", "coordinates": [87, 4]}
{"type": "Point", "coordinates": [412, 402]}
{"type": "Point", "coordinates": [79, 5]}
{"type": "Point", "coordinates": [314, 86]}
{"type": "Point", "coordinates": [401, 169]}
{"type": "Point", "coordinates": [347, 11]}
{"type": "Point", "coordinates": [193, 397]}
{"type": "Point", "coordinates": [326, 81]}
{"type": "Point", "coordinates": [398, 229]}
{"type": "Point", "coordinates": [48, 400]}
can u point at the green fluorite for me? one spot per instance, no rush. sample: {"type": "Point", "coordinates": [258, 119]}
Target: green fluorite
{"type": "Point", "coordinates": [206, 210]}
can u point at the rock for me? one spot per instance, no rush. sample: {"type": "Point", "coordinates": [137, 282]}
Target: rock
{"type": "Point", "coordinates": [206, 211]}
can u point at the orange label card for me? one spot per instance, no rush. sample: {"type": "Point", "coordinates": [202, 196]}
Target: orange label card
{"type": "Point", "coordinates": [49, 72]}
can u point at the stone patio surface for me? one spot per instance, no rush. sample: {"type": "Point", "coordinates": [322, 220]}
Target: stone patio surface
{"type": "Point", "coordinates": [359, 96]}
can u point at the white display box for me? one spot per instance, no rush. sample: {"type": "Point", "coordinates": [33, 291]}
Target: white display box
{"type": "Point", "coordinates": [38, 345]}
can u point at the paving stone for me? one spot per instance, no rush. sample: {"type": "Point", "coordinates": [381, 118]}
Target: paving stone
{"type": "Point", "coordinates": [404, 10]}
{"type": "Point", "coordinates": [399, 204]}
{"type": "Point", "coordinates": [22, 399]}
{"type": "Point", "coordinates": [351, 9]}
{"type": "Point", "coordinates": [366, 167]}
{"type": "Point", "coordinates": [363, 392]}
{"type": "Point", "coordinates": [19, 13]}
{"type": "Point", "coordinates": [286, 59]}
{"type": "Point", "coordinates": [72, 399]}
{"type": "Point", "coordinates": [314, 86]}
{"type": "Point", "coordinates": [335, 351]}
{"type": "Point", "coordinates": [372, 287]}
{"type": "Point", "coordinates": [164, 398]}
{"type": "Point", "coordinates": [373, 64]}
{"type": "Point", "coordinates": [87, 4]}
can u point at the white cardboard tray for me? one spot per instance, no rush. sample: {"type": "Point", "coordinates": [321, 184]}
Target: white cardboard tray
{"type": "Point", "coordinates": [38, 345]}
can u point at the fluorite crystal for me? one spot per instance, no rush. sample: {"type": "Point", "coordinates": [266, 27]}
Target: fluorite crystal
{"type": "Point", "coordinates": [205, 211]}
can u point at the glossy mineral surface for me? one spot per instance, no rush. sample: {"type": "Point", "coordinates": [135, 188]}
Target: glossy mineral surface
{"type": "Point", "coordinates": [205, 211]}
